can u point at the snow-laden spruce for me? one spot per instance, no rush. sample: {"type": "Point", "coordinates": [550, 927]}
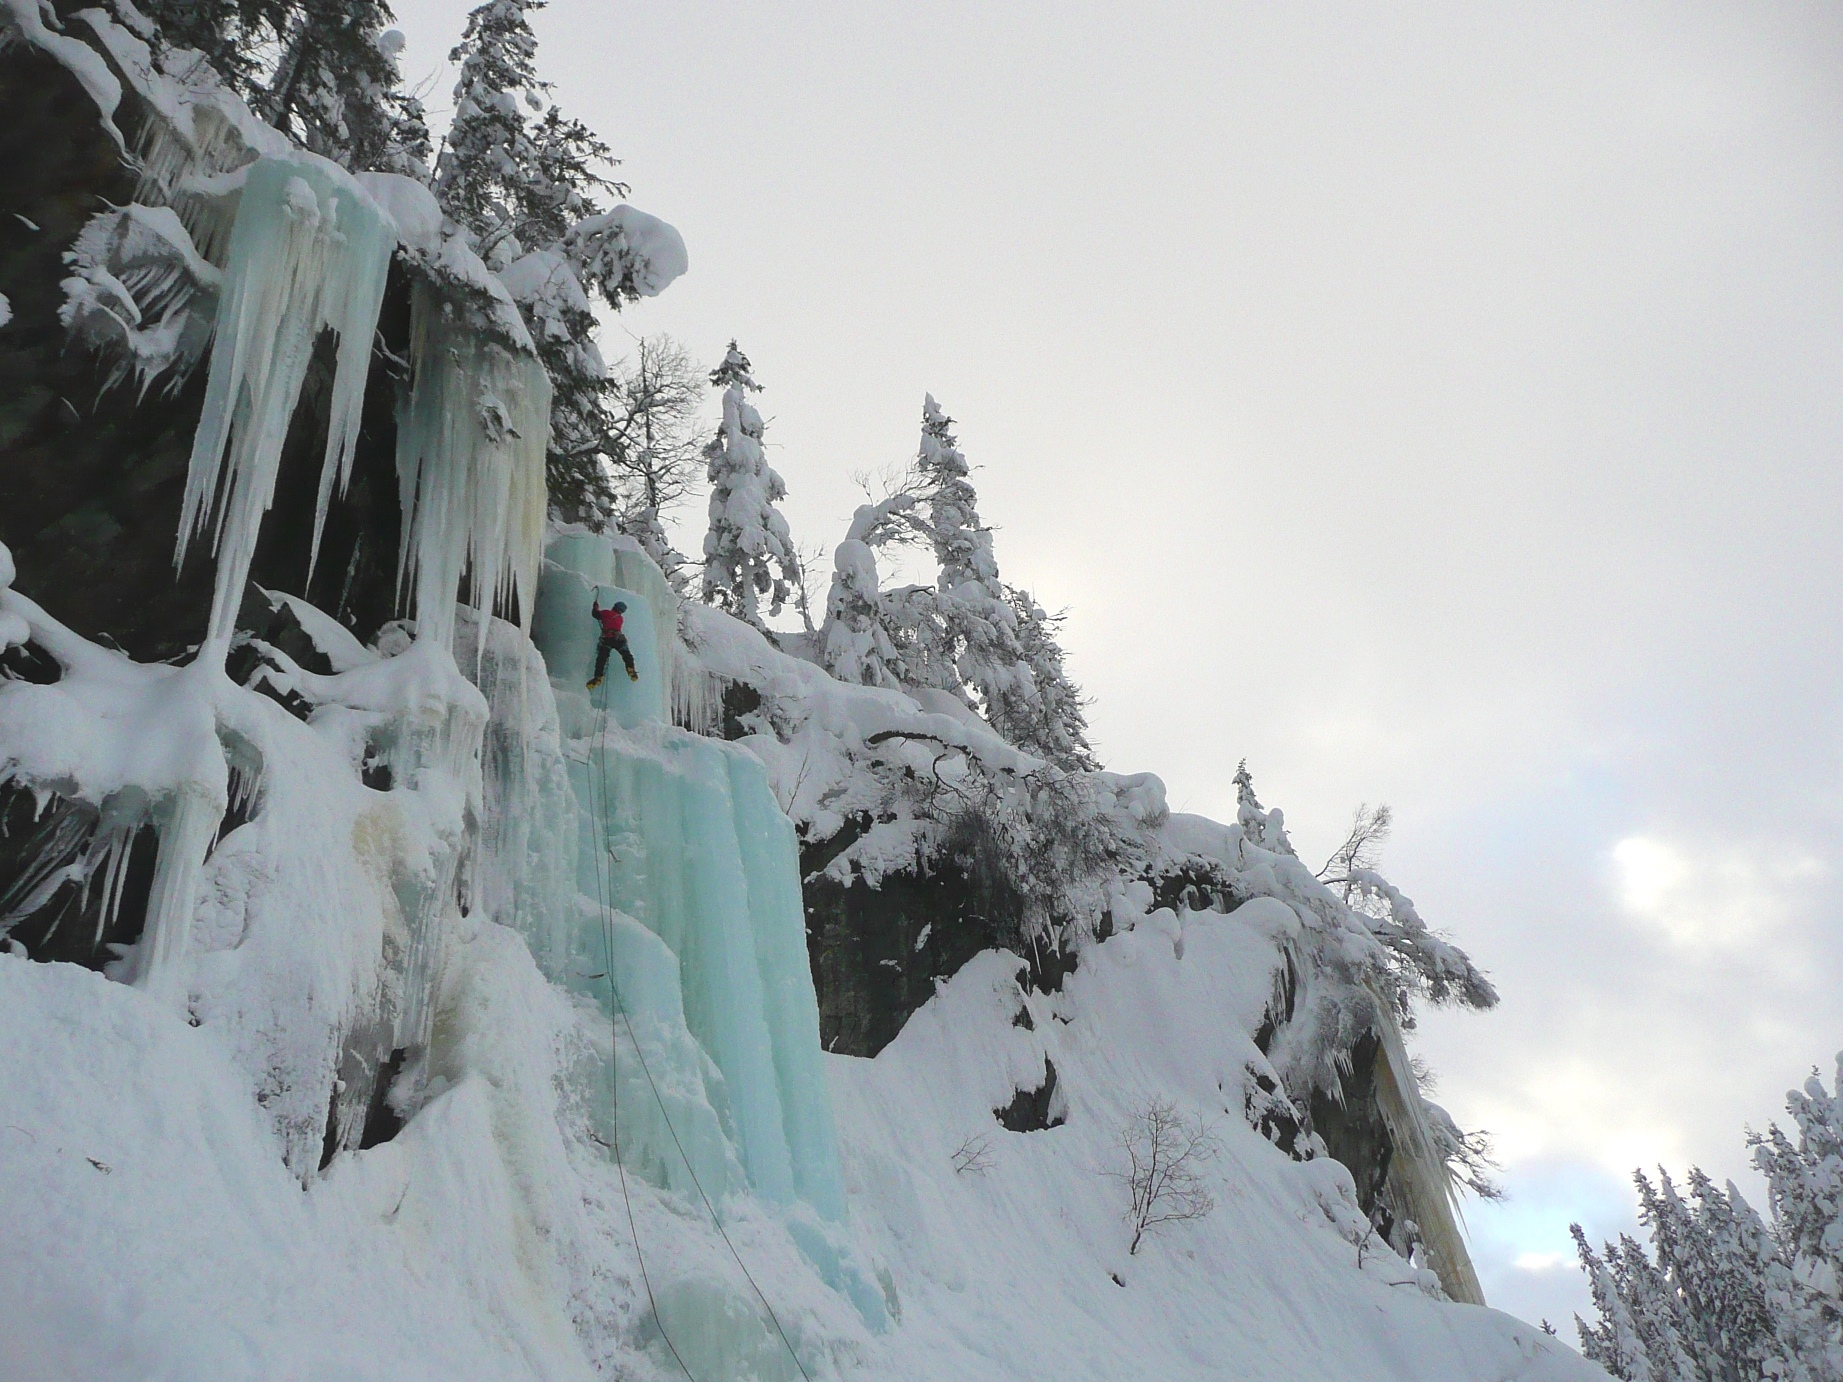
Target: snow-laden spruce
{"type": "Point", "coordinates": [529, 185]}
{"type": "Point", "coordinates": [749, 555]}
{"type": "Point", "coordinates": [1722, 1294]}
{"type": "Point", "coordinates": [990, 645]}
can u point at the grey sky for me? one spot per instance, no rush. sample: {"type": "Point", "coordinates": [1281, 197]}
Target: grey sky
{"type": "Point", "coordinates": [1432, 404]}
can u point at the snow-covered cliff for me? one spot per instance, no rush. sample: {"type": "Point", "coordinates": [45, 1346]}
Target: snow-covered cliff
{"type": "Point", "coordinates": [379, 1001]}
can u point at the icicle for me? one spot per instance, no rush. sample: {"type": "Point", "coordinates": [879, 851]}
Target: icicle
{"type": "Point", "coordinates": [470, 470]}
{"type": "Point", "coordinates": [140, 295]}
{"type": "Point", "coordinates": [187, 822]}
{"type": "Point", "coordinates": [309, 252]}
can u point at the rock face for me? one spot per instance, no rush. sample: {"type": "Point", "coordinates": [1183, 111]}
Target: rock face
{"type": "Point", "coordinates": [90, 481]}
{"type": "Point", "coordinates": [877, 952]}
{"type": "Point", "coordinates": [92, 477]}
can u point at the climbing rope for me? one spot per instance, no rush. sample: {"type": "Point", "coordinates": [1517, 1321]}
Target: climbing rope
{"type": "Point", "coordinates": [598, 778]}
{"type": "Point", "coordinates": [602, 890]}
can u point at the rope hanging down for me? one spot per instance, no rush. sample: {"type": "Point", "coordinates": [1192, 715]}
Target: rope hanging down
{"type": "Point", "coordinates": [598, 802]}
{"type": "Point", "coordinates": [603, 887]}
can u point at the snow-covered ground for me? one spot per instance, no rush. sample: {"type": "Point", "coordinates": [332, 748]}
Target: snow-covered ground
{"type": "Point", "coordinates": [153, 1230]}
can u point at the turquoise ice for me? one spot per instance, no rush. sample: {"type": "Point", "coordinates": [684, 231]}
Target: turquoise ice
{"type": "Point", "coordinates": [689, 871]}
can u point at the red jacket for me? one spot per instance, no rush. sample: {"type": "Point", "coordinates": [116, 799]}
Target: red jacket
{"type": "Point", "coordinates": [610, 619]}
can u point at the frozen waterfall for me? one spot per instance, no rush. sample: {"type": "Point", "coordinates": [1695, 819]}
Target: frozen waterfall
{"type": "Point", "coordinates": [689, 909]}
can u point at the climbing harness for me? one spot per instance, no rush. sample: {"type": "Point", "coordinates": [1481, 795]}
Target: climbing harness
{"type": "Point", "coordinates": [604, 887]}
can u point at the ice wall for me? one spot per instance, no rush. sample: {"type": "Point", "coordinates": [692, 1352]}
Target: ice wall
{"type": "Point", "coordinates": [689, 871]}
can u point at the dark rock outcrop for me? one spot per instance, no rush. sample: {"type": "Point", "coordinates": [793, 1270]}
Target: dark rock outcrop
{"type": "Point", "coordinates": [1034, 1110]}
{"type": "Point", "coordinates": [92, 478]}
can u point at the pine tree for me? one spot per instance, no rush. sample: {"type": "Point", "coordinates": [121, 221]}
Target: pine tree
{"type": "Point", "coordinates": [322, 71]}
{"type": "Point", "coordinates": [1805, 1181]}
{"type": "Point", "coordinates": [1720, 1298]}
{"type": "Point", "coordinates": [976, 655]}
{"type": "Point", "coordinates": [1656, 1310]}
{"type": "Point", "coordinates": [1259, 826]}
{"type": "Point", "coordinates": [1614, 1342]}
{"type": "Point", "coordinates": [1043, 714]}
{"type": "Point", "coordinates": [748, 552]}
{"type": "Point", "coordinates": [517, 185]}
{"type": "Point", "coordinates": [523, 188]}
{"type": "Point", "coordinates": [858, 640]}
{"type": "Point", "coordinates": [1805, 1196]}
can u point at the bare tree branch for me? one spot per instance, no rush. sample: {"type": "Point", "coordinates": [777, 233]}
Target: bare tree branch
{"type": "Point", "coordinates": [1362, 848]}
{"type": "Point", "coordinates": [1167, 1156]}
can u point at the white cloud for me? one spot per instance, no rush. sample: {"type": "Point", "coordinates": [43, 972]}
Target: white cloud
{"type": "Point", "coordinates": [1713, 898]}
{"type": "Point", "coordinates": [1543, 1262]}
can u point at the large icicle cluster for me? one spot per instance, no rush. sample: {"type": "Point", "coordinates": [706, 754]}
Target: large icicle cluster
{"type": "Point", "coordinates": [309, 253]}
{"type": "Point", "coordinates": [470, 464]}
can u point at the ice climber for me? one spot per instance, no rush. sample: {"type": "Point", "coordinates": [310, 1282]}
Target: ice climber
{"type": "Point", "coordinates": [612, 640]}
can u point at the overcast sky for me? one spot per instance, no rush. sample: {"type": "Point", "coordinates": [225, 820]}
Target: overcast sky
{"type": "Point", "coordinates": [1437, 405]}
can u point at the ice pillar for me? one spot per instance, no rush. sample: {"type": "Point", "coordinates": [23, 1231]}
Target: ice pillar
{"type": "Point", "coordinates": [697, 851]}
{"type": "Point", "coordinates": [471, 439]}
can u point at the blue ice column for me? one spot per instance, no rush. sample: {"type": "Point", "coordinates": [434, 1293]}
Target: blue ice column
{"type": "Point", "coordinates": [701, 855]}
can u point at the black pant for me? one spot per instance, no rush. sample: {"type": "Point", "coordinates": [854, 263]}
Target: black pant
{"type": "Point", "coordinates": [613, 642]}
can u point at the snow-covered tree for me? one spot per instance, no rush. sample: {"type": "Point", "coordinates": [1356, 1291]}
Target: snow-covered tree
{"type": "Point", "coordinates": [518, 201]}
{"type": "Point", "coordinates": [978, 657]}
{"type": "Point", "coordinates": [1722, 1296]}
{"type": "Point", "coordinates": [872, 636]}
{"type": "Point", "coordinates": [1805, 1184]}
{"type": "Point", "coordinates": [1614, 1343]}
{"type": "Point", "coordinates": [322, 71]}
{"type": "Point", "coordinates": [748, 552]}
{"type": "Point", "coordinates": [530, 185]}
{"type": "Point", "coordinates": [1043, 713]}
{"type": "Point", "coordinates": [988, 643]}
{"type": "Point", "coordinates": [858, 642]}
{"type": "Point", "coordinates": [516, 182]}
{"type": "Point", "coordinates": [1259, 826]}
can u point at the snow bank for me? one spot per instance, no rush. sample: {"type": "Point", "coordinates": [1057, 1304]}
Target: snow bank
{"type": "Point", "coordinates": [153, 1230]}
{"type": "Point", "coordinates": [1010, 1272]}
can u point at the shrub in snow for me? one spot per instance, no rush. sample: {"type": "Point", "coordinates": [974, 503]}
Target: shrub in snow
{"type": "Point", "coordinates": [974, 1155]}
{"type": "Point", "coordinates": [1053, 840]}
{"type": "Point", "coordinates": [1722, 1295]}
{"type": "Point", "coordinates": [1165, 1161]}
{"type": "Point", "coordinates": [748, 552]}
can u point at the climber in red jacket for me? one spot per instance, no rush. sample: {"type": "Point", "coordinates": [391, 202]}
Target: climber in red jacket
{"type": "Point", "coordinates": [612, 640]}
